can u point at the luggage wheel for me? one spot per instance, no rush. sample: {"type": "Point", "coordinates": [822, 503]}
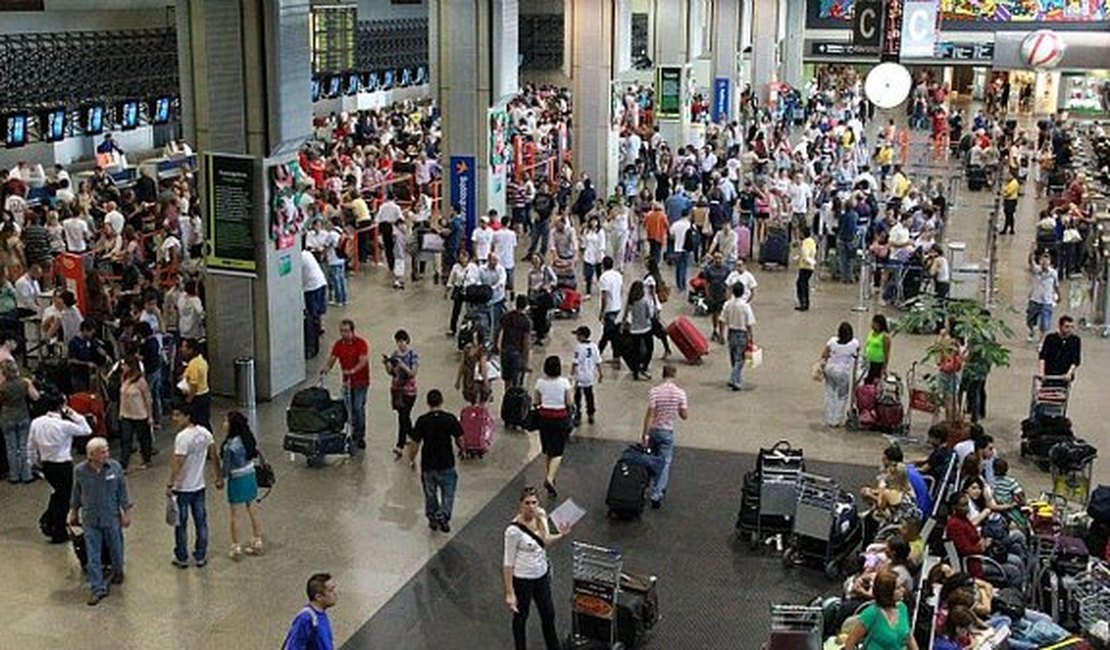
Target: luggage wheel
{"type": "Point", "coordinates": [832, 569]}
{"type": "Point", "coordinates": [789, 558]}
{"type": "Point", "coordinates": [316, 460]}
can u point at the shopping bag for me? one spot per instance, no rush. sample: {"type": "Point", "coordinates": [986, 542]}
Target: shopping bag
{"type": "Point", "coordinates": [171, 509]}
{"type": "Point", "coordinates": [754, 356]}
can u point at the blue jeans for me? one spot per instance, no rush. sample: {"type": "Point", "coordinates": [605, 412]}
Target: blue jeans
{"type": "Point", "coordinates": [845, 250]}
{"type": "Point", "coordinates": [337, 276]}
{"type": "Point", "coordinates": [439, 494]}
{"type": "Point", "coordinates": [190, 502]}
{"type": "Point", "coordinates": [681, 264]}
{"type": "Point", "coordinates": [355, 400]}
{"type": "Point", "coordinates": [154, 380]}
{"type": "Point", "coordinates": [737, 344]}
{"type": "Point", "coordinates": [591, 271]}
{"type": "Point", "coordinates": [95, 538]}
{"type": "Point", "coordinates": [15, 438]}
{"type": "Point", "coordinates": [662, 444]}
{"type": "Point", "coordinates": [540, 237]}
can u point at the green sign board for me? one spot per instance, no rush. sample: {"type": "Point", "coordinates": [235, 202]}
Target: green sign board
{"type": "Point", "coordinates": [669, 91]}
{"type": "Point", "coordinates": [232, 207]}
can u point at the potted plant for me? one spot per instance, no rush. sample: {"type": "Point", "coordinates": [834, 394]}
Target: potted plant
{"type": "Point", "coordinates": [982, 334]}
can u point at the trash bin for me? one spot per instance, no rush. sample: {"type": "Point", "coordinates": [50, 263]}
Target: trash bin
{"type": "Point", "coordinates": [244, 382]}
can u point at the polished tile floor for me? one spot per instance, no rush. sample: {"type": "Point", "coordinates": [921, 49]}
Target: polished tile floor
{"type": "Point", "coordinates": [362, 519]}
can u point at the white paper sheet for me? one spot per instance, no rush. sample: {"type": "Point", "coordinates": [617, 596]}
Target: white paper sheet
{"type": "Point", "coordinates": [567, 514]}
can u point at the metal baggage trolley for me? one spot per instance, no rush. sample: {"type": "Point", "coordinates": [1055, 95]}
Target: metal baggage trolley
{"type": "Point", "coordinates": [796, 627]}
{"type": "Point", "coordinates": [597, 585]}
{"type": "Point", "coordinates": [817, 536]}
{"type": "Point", "coordinates": [1049, 396]}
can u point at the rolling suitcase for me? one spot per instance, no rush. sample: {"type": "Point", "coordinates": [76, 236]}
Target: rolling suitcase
{"type": "Point", "coordinates": [744, 242]}
{"type": "Point", "coordinates": [515, 406]}
{"type": "Point", "coordinates": [688, 339]}
{"type": "Point", "coordinates": [80, 549]}
{"type": "Point", "coordinates": [627, 484]}
{"type": "Point", "coordinates": [775, 249]}
{"type": "Point", "coordinates": [477, 425]}
{"type": "Point", "coordinates": [315, 445]}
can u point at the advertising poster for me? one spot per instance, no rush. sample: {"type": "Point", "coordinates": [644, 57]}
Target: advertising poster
{"type": "Point", "coordinates": [464, 189]}
{"type": "Point", "coordinates": [722, 99]}
{"type": "Point", "coordinates": [670, 92]}
{"type": "Point", "coordinates": [289, 204]}
{"type": "Point", "coordinates": [500, 159]}
{"type": "Point", "coordinates": [231, 210]}
{"type": "Point", "coordinates": [828, 12]}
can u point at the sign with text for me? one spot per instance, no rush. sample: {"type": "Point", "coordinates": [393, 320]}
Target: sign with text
{"type": "Point", "coordinates": [892, 31]}
{"type": "Point", "coordinates": [722, 99]}
{"type": "Point", "coordinates": [670, 91]}
{"type": "Point", "coordinates": [867, 24]}
{"type": "Point", "coordinates": [919, 29]}
{"type": "Point", "coordinates": [970, 52]}
{"type": "Point", "coordinates": [232, 211]}
{"type": "Point", "coordinates": [464, 189]}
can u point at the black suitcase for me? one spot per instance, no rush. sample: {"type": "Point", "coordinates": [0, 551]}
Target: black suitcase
{"type": "Point", "coordinates": [515, 406]}
{"type": "Point", "coordinates": [775, 249]}
{"type": "Point", "coordinates": [627, 485]}
{"type": "Point", "coordinates": [316, 397]}
{"type": "Point", "coordinates": [314, 446]}
{"type": "Point", "coordinates": [976, 179]}
{"type": "Point", "coordinates": [637, 613]}
{"type": "Point", "coordinates": [781, 456]}
{"type": "Point", "coordinates": [624, 345]}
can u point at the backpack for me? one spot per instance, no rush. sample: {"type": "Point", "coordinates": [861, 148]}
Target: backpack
{"type": "Point", "coordinates": [690, 241]}
{"type": "Point", "coordinates": [342, 245]}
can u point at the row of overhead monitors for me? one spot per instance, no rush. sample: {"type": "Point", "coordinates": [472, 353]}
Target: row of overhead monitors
{"type": "Point", "coordinates": [330, 86]}
{"type": "Point", "coordinates": [58, 123]}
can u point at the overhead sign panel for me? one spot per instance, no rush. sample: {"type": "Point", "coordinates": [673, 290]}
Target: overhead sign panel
{"type": "Point", "coordinates": [867, 24]}
{"type": "Point", "coordinates": [919, 29]}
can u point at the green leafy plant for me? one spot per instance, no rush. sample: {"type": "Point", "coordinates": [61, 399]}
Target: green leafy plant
{"type": "Point", "coordinates": [983, 334]}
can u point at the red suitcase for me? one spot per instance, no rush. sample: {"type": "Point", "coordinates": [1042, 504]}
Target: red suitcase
{"type": "Point", "coordinates": [688, 338]}
{"type": "Point", "coordinates": [477, 425]}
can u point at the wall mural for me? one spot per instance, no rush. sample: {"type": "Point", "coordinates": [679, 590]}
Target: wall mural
{"type": "Point", "coordinates": [1044, 11]}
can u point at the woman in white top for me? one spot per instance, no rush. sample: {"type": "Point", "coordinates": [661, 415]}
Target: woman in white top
{"type": "Point", "coordinates": [526, 571]}
{"type": "Point", "coordinates": [453, 288]}
{"type": "Point", "coordinates": [619, 229]}
{"type": "Point", "coordinates": [553, 397]}
{"type": "Point", "coordinates": [838, 360]}
{"type": "Point", "coordinates": [657, 289]}
{"type": "Point", "coordinates": [593, 251]}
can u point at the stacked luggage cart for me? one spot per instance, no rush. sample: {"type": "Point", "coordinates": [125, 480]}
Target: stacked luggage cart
{"type": "Point", "coordinates": [827, 530]}
{"type": "Point", "coordinates": [610, 608]}
{"type": "Point", "coordinates": [796, 627]}
{"type": "Point", "coordinates": [770, 495]}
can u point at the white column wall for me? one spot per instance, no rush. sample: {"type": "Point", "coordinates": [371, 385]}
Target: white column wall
{"type": "Point", "coordinates": [671, 42]}
{"type": "Point", "coordinates": [793, 43]}
{"type": "Point", "coordinates": [764, 34]}
{"type": "Point", "coordinates": [592, 71]}
{"type": "Point", "coordinates": [726, 48]}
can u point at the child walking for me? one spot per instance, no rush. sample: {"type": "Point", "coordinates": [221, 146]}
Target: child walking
{"type": "Point", "coordinates": [584, 369]}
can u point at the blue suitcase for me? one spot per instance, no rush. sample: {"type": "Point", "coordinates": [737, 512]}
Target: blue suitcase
{"type": "Point", "coordinates": [775, 249]}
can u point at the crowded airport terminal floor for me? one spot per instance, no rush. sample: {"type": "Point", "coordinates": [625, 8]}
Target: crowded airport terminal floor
{"type": "Point", "coordinates": [488, 338]}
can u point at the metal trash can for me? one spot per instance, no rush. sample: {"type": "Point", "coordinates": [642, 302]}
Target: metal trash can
{"type": "Point", "coordinates": [244, 382]}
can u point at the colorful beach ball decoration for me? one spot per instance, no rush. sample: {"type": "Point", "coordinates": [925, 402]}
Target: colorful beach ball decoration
{"type": "Point", "coordinates": [1042, 49]}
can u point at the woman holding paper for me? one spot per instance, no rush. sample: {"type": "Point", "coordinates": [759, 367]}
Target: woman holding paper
{"type": "Point", "coordinates": [526, 570]}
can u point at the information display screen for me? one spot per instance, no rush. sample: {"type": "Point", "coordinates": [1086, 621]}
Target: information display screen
{"type": "Point", "coordinates": [334, 35]}
{"type": "Point", "coordinates": [54, 125]}
{"type": "Point", "coordinates": [15, 131]}
{"type": "Point", "coordinates": [670, 91]}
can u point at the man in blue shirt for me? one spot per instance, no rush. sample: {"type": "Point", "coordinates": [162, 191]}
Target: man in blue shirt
{"type": "Point", "coordinates": [677, 205]}
{"type": "Point", "coordinates": [102, 503]}
{"type": "Point", "coordinates": [846, 239]}
{"type": "Point", "coordinates": [311, 628]}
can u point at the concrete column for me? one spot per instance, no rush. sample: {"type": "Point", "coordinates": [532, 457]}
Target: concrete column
{"type": "Point", "coordinates": [466, 69]}
{"type": "Point", "coordinates": [671, 26]}
{"type": "Point", "coordinates": [622, 54]}
{"type": "Point", "coordinates": [245, 70]}
{"type": "Point", "coordinates": [764, 34]}
{"type": "Point", "coordinates": [793, 44]}
{"type": "Point", "coordinates": [726, 49]}
{"type": "Point", "coordinates": [595, 144]}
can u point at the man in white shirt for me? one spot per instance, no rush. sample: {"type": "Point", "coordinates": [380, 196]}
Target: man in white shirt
{"type": "Point", "coordinates": [62, 318]}
{"type": "Point", "coordinates": [192, 446]}
{"type": "Point", "coordinates": [50, 442]}
{"type": "Point", "coordinates": [77, 234]}
{"type": "Point", "coordinates": [743, 276]}
{"type": "Point", "coordinates": [739, 319]}
{"type": "Point", "coordinates": [610, 286]}
{"type": "Point", "coordinates": [389, 213]}
{"type": "Point", "coordinates": [800, 194]}
{"type": "Point", "coordinates": [314, 284]}
{"type": "Point", "coordinates": [16, 206]}
{"type": "Point", "coordinates": [482, 240]}
{"type": "Point", "coordinates": [27, 290]}
{"type": "Point", "coordinates": [114, 218]}
{"type": "Point", "coordinates": [682, 249]}
{"type": "Point", "coordinates": [504, 245]}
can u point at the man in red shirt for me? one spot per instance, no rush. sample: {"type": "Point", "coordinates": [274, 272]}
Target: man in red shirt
{"type": "Point", "coordinates": [656, 226]}
{"type": "Point", "coordinates": [966, 538]}
{"type": "Point", "coordinates": [353, 354]}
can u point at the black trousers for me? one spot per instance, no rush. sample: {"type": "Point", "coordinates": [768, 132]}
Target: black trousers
{"type": "Point", "coordinates": [60, 478]}
{"type": "Point", "coordinates": [1009, 207]}
{"type": "Point", "coordinates": [538, 590]}
{"type": "Point", "coordinates": [456, 308]}
{"type": "Point", "coordinates": [645, 348]}
{"type": "Point", "coordinates": [588, 391]}
{"type": "Point", "coordinates": [404, 418]}
{"type": "Point", "coordinates": [802, 287]}
{"type": "Point", "coordinates": [201, 410]}
{"type": "Point", "coordinates": [387, 243]}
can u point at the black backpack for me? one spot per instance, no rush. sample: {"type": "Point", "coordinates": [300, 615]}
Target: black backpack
{"type": "Point", "coordinates": [1071, 455]}
{"type": "Point", "coordinates": [690, 241]}
{"type": "Point", "coordinates": [1099, 506]}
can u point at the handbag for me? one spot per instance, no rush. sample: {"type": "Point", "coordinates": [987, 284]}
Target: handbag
{"type": "Point", "coordinates": [818, 371]}
{"type": "Point", "coordinates": [951, 364]}
{"type": "Point", "coordinates": [172, 512]}
{"type": "Point", "coordinates": [532, 420]}
{"type": "Point", "coordinates": [663, 292]}
{"type": "Point", "coordinates": [264, 473]}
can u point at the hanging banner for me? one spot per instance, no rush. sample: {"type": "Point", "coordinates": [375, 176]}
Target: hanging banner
{"type": "Point", "coordinates": [867, 25]}
{"type": "Point", "coordinates": [500, 159]}
{"type": "Point", "coordinates": [229, 185]}
{"type": "Point", "coordinates": [722, 99]}
{"type": "Point", "coordinates": [892, 31]}
{"type": "Point", "coordinates": [464, 189]}
{"type": "Point", "coordinates": [670, 92]}
{"type": "Point", "coordinates": [919, 29]}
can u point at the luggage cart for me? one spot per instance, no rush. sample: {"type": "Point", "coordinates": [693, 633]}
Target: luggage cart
{"type": "Point", "coordinates": [923, 395]}
{"type": "Point", "coordinates": [820, 534]}
{"type": "Point", "coordinates": [1074, 485]}
{"type": "Point", "coordinates": [597, 585]}
{"type": "Point", "coordinates": [796, 627]}
{"type": "Point", "coordinates": [1090, 597]}
{"type": "Point", "coordinates": [1049, 396]}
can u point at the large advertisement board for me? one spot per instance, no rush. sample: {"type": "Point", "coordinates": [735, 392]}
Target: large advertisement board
{"type": "Point", "coordinates": [981, 15]}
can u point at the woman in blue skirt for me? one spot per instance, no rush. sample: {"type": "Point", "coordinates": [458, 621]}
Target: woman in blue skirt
{"type": "Point", "coordinates": [237, 454]}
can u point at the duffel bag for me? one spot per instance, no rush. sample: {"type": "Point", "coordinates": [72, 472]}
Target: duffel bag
{"type": "Point", "coordinates": [315, 397]}
{"type": "Point", "coordinates": [1071, 455]}
{"type": "Point", "coordinates": [478, 294]}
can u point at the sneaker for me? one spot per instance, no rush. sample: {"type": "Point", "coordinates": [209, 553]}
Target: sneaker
{"type": "Point", "coordinates": [1031, 337]}
{"type": "Point", "coordinates": [590, 419]}
{"type": "Point", "coordinates": [117, 578]}
{"type": "Point", "coordinates": [181, 564]}
{"type": "Point", "coordinates": [201, 563]}
{"type": "Point", "coordinates": [433, 524]}
{"type": "Point", "coordinates": [361, 443]}
{"type": "Point", "coordinates": [656, 504]}
{"type": "Point", "coordinates": [445, 527]}
{"type": "Point", "coordinates": [94, 599]}
{"type": "Point", "coordinates": [550, 487]}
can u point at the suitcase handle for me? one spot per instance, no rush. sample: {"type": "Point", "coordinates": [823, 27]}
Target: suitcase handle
{"type": "Point", "coordinates": [782, 445]}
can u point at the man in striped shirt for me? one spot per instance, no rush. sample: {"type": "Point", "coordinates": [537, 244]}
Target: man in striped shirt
{"type": "Point", "coordinates": [666, 403]}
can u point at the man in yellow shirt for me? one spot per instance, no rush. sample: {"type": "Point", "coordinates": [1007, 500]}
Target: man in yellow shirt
{"type": "Point", "coordinates": [807, 263]}
{"type": "Point", "coordinates": [1009, 204]}
{"type": "Point", "coordinates": [900, 183]}
{"type": "Point", "coordinates": [883, 158]}
{"type": "Point", "coordinates": [363, 222]}
{"type": "Point", "coordinates": [196, 384]}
